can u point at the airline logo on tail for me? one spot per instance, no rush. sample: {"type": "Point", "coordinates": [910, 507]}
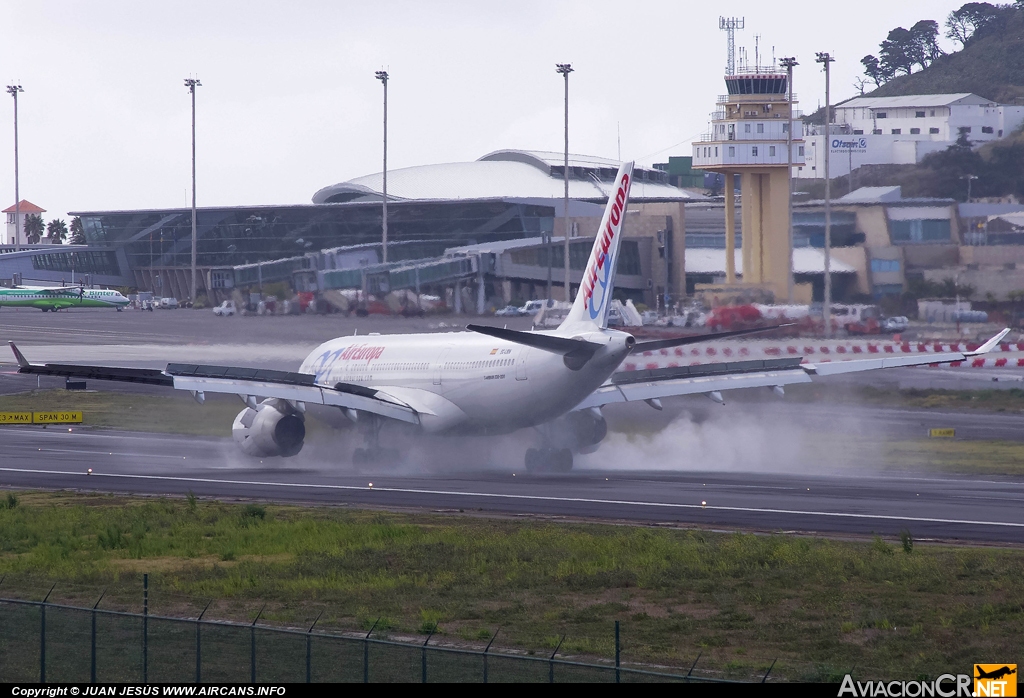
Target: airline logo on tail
{"type": "Point", "coordinates": [598, 276]}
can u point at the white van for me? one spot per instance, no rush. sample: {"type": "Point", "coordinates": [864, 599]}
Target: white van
{"type": "Point", "coordinates": [532, 307]}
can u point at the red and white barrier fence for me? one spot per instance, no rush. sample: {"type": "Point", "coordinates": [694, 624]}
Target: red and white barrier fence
{"type": "Point", "coordinates": [813, 351]}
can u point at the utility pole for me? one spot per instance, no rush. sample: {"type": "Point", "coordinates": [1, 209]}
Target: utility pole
{"type": "Point", "coordinates": [827, 60]}
{"type": "Point", "coordinates": [192, 84]}
{"type": "Point", "coordinates": [382, 75]}
{"type": "Point", "coordinates": [788, 64]}
{"type": "Point", "coordinates": [13, 90]}
{"type": "Point", "coordinates": [564, 69]}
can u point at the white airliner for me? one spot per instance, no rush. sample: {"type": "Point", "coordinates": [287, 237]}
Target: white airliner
{"type": "Point", "coordinates": [486, 381]}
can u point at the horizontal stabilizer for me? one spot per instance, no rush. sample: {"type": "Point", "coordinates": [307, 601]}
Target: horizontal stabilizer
{"type": "Point", "coordinates": [656, 344]}
{"type": "Point", "coordinates": [556, 345]}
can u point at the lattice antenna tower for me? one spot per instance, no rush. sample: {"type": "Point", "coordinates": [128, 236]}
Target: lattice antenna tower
{"type": "Point", "coordinates": [729, 25]}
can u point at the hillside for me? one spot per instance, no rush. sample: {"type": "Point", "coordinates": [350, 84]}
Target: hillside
{"type": "Point", "coordinates": [990, 65]}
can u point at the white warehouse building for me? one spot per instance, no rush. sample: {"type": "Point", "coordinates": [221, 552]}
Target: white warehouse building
{"type": "Point", "coordinates": [902, 130]}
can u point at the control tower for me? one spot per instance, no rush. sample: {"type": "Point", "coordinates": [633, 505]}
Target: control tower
{"type": "Point", "coordinates": [750, 131]}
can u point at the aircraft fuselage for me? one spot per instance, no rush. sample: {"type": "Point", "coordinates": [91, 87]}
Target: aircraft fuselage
{"type": "Point", "coordinates": [467, 382]}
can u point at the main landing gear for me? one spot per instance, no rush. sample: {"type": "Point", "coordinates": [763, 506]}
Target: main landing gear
{"type": "Point", "coordinates": [548, 459]}
{"type": "Point", "coordinates": [373, 453]}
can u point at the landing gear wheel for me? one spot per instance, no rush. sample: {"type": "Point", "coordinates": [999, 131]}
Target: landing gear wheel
{"type": "Point", "coordinates": [375, 455]}
{"type": "Point", "coordinates": [548, 459]}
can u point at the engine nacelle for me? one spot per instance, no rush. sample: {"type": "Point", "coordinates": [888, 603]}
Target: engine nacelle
{"type": "Point", "coordinates": [588, 428]}
{"type": "Point", "coordinates": [274, 428]}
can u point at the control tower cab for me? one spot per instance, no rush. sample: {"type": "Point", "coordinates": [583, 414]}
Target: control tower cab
{"type": "Point", "coordinates": [749, 137]}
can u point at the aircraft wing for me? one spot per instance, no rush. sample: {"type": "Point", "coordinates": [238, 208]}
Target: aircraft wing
{"type": "Point", "coordinates": [244, 382]}
{"type": "Point", "coordinates": [709, 379]}
{"type": "Point", "coordinates": [74, 291]}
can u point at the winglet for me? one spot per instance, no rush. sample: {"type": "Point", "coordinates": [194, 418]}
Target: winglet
{"type": "Point", "coordinates": [990, 344]}
{"type": "Point", "coordinates": [22, 361]}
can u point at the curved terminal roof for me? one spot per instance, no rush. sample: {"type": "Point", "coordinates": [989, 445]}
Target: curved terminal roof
{"type": "Point", "coordinates": [504, 174]}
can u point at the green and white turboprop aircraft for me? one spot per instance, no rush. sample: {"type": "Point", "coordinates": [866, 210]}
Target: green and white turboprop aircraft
{"type": "Point", "coordinates": [60, 297]}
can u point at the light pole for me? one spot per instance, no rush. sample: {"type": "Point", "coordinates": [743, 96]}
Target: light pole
{"type": "Point", "coordinates": [13, 90]}
{"type": "Point", "coordinates": [564, 69]}
{"type": "Point", "coordinates": [970, 178]}
{"type": "Point", "coordinates": [827, 60]}
{"type": "Point", "coordinates": [788, 64]}
{"type": "Point", "coordinates": [382, 75]}
{"type": "Point", "coordinates": [192, 84]}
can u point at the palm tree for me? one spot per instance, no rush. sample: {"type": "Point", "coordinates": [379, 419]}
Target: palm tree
{"type": "Point", "coordinates": [34, 228]}
{"type": "Point", "coordinates": [77, 232]}
{"type": "Point", "coordinates": [57, 230]}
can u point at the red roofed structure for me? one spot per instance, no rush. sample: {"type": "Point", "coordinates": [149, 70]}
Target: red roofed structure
{"type": "Point", "coordinates": [26, 206]}
{"type": "Point", "coordinates": [17, 228]}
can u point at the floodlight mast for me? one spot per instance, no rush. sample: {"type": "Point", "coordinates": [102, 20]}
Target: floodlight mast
{"type": "Point", "coordinates": [13, 90]}
{"type": "Point", "coordinates": [192, 84]}
{"type": "Point", "coordinates": [789, 63]}
{"type": "Point", "coordinates": [564, 69]}
{"type": "Point", "coordinates": [970, 178]}
{"type": "Point", "coordinates": [382, 75]}
{"type": "Point", "coordinates": [826, 59]}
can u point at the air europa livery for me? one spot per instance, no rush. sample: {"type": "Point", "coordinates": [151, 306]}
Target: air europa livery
{"type": "Point", "coordinates": [489, 380]}
{"type": "Point", "coordinates": [599, 268]}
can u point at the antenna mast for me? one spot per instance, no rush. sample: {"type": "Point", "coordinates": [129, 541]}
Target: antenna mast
{"type": "Point", "coordinates": [729, 25]}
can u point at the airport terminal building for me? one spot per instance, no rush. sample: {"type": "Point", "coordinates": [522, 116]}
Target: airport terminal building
{"type": "Point", "coordinates": [503, 196]}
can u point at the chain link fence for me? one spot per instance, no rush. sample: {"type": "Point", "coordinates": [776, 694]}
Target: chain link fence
{"type": "Point", "coordinates": [48, 642]}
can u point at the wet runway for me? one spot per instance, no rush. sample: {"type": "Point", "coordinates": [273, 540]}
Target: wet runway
{"type": "Point", "coordinates": [854, 501]}
{"type": "Point", "coordinates": [946, 508]}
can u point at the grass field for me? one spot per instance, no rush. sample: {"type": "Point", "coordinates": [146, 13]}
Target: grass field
{"type": "Point", "coordinates": [820, 606]}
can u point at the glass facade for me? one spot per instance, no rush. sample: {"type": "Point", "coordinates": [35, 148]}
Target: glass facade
{"type": "Point", "coordinates": [82, 262]}
{"type": "Point", "coordinates": [245, 235]}
{"type": "Point", "coordinates": [809, 229]}
{"type": "Point", "coordinates": [920, 231]}
{"type": "Point", "coordinates": [579, 254]}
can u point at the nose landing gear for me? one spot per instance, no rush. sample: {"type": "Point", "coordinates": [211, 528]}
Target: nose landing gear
{"type": "Point", "coordinates": [548, 459]}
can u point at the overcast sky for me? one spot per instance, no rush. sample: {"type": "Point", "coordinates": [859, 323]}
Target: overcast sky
{"type": "Point", "coordinates": [289, 102]}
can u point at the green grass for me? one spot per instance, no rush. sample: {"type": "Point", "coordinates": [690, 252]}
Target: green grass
{"type": "Point", "coordinates": [820, 606]}
{"type": "Point", "coordinates": [176, 412]}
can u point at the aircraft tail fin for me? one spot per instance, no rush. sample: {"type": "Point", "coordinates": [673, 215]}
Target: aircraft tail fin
{"type": "Point", "coordinates": [594, 296]}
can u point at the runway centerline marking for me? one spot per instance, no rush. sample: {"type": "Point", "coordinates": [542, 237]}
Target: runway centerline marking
{"type": "Point", "coordinates": [107, 453]}
{"type": "Point", "coordinates": [528, 497]}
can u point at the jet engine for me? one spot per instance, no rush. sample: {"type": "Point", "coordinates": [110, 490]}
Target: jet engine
{"type": "Point", "coordinates": [273, 428]}
{"type": "Point", "coordinates": [588, 428]}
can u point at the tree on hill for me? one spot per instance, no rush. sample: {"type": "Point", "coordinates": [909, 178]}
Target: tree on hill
{"type": "Point", "coordinates": [77, 232]}
{"type": "Point", "coordinates": [899, 53]}
{"type": "Point", "coordinates": [963, 24]}
{"type": "Point", "coordinates": [34, 228]}
{"type": "Point", "coordinates": [903, 50]}
{"type": "Point", "coordinates": [57, 231]}
{"type": "Point", "coordinates": [925, 35]}
{"type": "Point", "coordinates": [990, 64]}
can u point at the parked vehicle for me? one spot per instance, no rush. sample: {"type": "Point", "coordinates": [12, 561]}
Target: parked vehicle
{"type": "Point", "coordinates": [509, 311]}
{"type": "Point", "coordinates": [895, 324]}
{"type": "Point", "coordinates": [169, 303]}
{"type": "Point", "coordinates": [225, 309]}
{"type": "Point", "coordinates": [532, 307]}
